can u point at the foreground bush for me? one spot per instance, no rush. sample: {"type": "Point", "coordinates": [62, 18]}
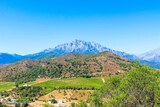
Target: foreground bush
{"type": "Point", "coordinates": [140, 87]}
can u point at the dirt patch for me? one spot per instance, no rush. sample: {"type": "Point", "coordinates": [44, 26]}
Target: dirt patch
{"type": "Point", "coordinates": [40, 80]}
{"type": "Point", "coordinates": [67, 96]}
{"type": "Point", "coordinates": [37, 104]}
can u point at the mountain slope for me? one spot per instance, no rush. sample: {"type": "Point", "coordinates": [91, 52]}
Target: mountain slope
{"type": "Point", "coordinates": [75, 47]}
{"type": "Point", "coordinates": [153, 56]}
{"type": "Point", "coordinates": [79, 47]}
{"type": "Point", "coordinates": [73, 65]}
{"type": "Point", "coordinates": [9, 58]}
{"type": "Point", "coordinates": [151, 64]}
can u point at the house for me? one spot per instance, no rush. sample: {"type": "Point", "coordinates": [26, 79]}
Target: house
{"type": "Point", "coordinates": [26, 85]}
{"type": "Point", "coordinates": [12, 101]}
{"type": "Point", "coordinates": [1, 100]}
{"type": "Point", "coordinates": [60, 103]}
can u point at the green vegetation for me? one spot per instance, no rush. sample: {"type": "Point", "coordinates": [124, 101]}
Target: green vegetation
{"type": "Point", "coordinates": [66, 66]}
{"type": "Point", "coordinates": [140, 87]}
{"type": "Point", "coordinates": [29, 93]}
{"type": "Point", "coordinates": [71, 83]}
{"type": "Point", "coordinates": [24, 94]}
{"type": "Point", "coordinates": [4, 86]}
{"type": "Point", "coordinates": [29, 75]}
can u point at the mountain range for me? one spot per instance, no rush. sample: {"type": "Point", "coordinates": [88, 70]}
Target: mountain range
{"type": "Point", "coordinates": [151, 58]}
{"type": "Point", "coordinates": [75, 47]}
{"type": "Point", "coordinates": [153, 55]}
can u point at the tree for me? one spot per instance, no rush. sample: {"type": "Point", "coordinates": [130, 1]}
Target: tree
{"type": "Point", "coordinates": [140, 87]}
{"type": "Point", "coordinates": [17, 105]}
{"type": "Point", "coordinates": [73, 104]}
{"type": "Point", "coordinates": [17, 84]}
{"type": "Point", "coordinates": [82, 104]}
{"type": "Point", "coordinates": [2, 105]}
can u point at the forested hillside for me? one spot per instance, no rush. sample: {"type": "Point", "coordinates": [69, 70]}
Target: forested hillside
{"type": "Point", "coordinates": [140, 87]}
{"type": "Point", "coordinates": [73, 65]}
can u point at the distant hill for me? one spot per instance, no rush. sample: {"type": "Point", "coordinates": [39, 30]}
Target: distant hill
{"type": "Point", "coordinates": [6, 58]}
{"type": "Point", "coordinates": [151, 64]}
{"type": "Point", "coordinates": [152, 56]}
{"type": "Point", "coordinates": [3, 65]}
{"type": "Point", "coordinates": [72, 65]}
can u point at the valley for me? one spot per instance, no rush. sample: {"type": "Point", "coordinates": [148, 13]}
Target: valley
{"type": "Point", "coordinates": [69, 78]}
{"type": "Point", "coordinates": [75, 91]}
{"type": "Point", "coordinates": [80, 79]}
{"type": "Point", "coordinates": [71, 90]}
{"type": "Point", "coordinates": [79, 53]}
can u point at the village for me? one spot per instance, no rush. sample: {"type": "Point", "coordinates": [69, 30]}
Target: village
{"type": "Point", "coordinates": [15, 103]}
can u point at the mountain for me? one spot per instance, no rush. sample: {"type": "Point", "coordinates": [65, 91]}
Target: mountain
{"type": "Point", "coordinates": [152, 56]}
{"type": "Point", "coordinates": [75, 47]}
{"type": "Point", "coordinates": [2, 65]}
{"type": "Point", "coordinates": [71, 65]}
{"type": "Point", "coordinates": [150, 63]}
{"type": "Point", "coordinates": [6, 58]}
{"type": "Point", "coordinates": [79, 47]}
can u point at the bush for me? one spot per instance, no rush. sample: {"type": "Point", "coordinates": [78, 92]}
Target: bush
{"type": "Point", "coordinates": [53, 101]}
{"type": "Point", "coordinates": [139, 87]}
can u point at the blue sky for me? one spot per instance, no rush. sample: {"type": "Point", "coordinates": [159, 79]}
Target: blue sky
{"type": "Point", "coordinates": [29, 26]}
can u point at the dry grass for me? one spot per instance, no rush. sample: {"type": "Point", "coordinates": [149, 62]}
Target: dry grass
{"type": "Point", "coordinates": [39, 80]}
{"type": "Point", "coordinates": [68, 96]}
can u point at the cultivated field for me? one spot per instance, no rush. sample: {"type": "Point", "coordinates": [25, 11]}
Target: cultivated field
{"type": "Point", "coordinates": [70, 83]}
{"type": "Point", "coordinates": [4, 86]}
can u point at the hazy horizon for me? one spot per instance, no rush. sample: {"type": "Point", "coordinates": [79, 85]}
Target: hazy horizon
{"type": "Point", "coordinates": [29, 26]}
